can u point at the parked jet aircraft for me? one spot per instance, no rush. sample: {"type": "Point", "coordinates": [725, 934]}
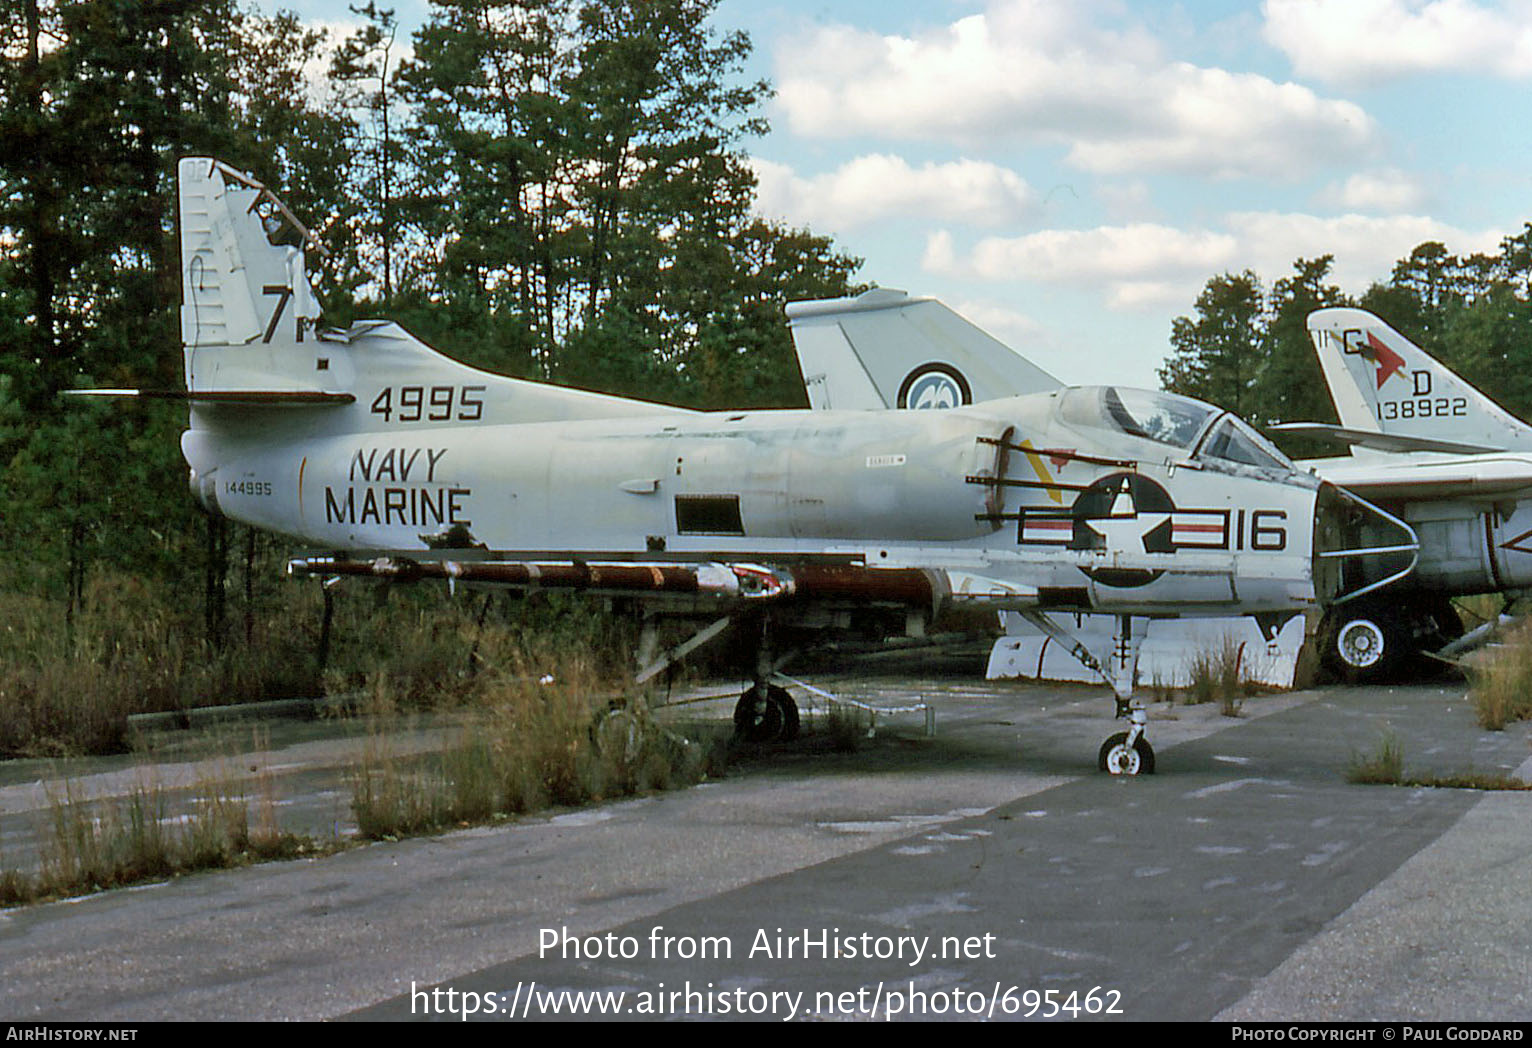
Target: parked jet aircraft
{"type": "Point", "coordinates": [896, 342]}
{"type": "Point", "coordinates": [1430, 448]}
{"type": "Point", "coordinates": [872, 350]}
{"type": "Point", "coordinates": [1442, 456]}
{"type": "Point", "coordinates": [398, 463]}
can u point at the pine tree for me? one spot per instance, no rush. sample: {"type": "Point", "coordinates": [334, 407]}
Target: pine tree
{"type": "Point", "coordinates": [1216, 356]}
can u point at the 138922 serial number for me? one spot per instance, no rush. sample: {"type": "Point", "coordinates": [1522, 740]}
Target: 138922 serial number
{"type": "Point", "coordinates": [1424, 407]}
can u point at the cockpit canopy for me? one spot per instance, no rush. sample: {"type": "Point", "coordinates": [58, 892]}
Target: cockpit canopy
{"type": "Point", "coordinates": [1196, 429]}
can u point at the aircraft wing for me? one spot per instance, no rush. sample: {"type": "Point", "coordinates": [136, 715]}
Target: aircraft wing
{"type": "Point", "coordinates": [240, 398]}
{"type": "Point", "coordinates": [724, 582]}
{"type": "Point", "coordinates": [1429, 477]}
{"type": "Point", "coordinates": [884, 349]}
{"type": "Point", "coordinates": [1392, 442]}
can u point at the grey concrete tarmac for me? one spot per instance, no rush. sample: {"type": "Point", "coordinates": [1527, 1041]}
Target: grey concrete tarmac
{"type": "Point", "coordinates": [1246, 880]}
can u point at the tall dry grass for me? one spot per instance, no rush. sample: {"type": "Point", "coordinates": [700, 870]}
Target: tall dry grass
{"type": "Point", "coordinates": [136, 647]}
{"type": "Point", "coordinates": [535, 727]}
{"type": "Point", "coordinates": [1217, 674]}
{"type": "Point", "coordinates": [91, 843]}
{"type": "Point", "coordinates": [1501, 680]}
{"type": "Point", "coordinates": [68, 688]}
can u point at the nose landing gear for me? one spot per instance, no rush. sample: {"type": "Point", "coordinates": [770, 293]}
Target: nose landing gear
{"type": "Point", "coordinates": [1128, 752]}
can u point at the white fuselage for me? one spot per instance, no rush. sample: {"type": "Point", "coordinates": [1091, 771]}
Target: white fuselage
{"type": "Point", "coordinates": [431, 453]}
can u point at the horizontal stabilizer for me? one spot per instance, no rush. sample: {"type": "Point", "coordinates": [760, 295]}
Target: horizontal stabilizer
{"type": "Point", "coordinates": [240, 397]}
{"type": "Point", "coordinates": [1378, 441]}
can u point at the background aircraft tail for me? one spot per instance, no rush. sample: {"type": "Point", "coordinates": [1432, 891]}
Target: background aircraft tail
{"type": "Point", "coordinates": [1383, 383]}
{"type": "Point", "coordinates": [884, 349]}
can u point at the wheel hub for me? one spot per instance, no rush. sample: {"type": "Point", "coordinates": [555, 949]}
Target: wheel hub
{"type": "Point", "coordinates": [1122, 760]}
{"type": "Point", "coordinates": [1360, 643]}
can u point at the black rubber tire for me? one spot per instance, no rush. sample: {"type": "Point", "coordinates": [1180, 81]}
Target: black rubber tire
{"type": "Point", "coordinates": [789, 708]}
{"type": "Point", "coordinates": [758, 721]}
{"type": "Point", "coordinates": [1365, 644]}
{"type": "Point", "coordinates": [1115, 763]}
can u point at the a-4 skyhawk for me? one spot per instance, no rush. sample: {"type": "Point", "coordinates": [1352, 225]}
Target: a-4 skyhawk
{"type": "Point", "coordinates": [390, 460]}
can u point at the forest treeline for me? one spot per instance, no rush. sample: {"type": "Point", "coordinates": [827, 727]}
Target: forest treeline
{"type": "Point", "coordinates": [553, 189]}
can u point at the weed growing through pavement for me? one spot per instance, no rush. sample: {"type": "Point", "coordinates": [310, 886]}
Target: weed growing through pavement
{"type": "Point", "coordinates": [1385, 767]}
{"type": "Point", "coordinates": [93, 843]}
{"type": "Point", "coordinates": [1217, 675]}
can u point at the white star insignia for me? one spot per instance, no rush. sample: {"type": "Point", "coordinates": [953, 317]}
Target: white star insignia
{"type": "Point", "coordinates": [1125, 529]}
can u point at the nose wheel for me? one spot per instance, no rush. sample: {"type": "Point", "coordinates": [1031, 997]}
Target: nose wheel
{"type": "Point", "coordinates": [1128, 752]}
{"type": "Point", "coordinates": [1120, 756]}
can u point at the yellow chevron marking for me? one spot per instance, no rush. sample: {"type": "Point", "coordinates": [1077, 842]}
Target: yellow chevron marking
{"type": "Point", "coordinates": [1056, 494]}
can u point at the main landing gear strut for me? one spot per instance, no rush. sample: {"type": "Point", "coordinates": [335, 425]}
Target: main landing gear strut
{"type": "Point", "coordinates": [1126, 752]}
{"type": "Point", "coordinates": [766, 712]}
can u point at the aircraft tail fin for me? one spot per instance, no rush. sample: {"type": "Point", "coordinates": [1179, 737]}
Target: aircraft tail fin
{"type": "Point", "coordinates": [1383, 383]}
{"type": "Point", "coordinates": [884, 349]}
{"type": "Point", "coordinates": [243, 275]}
{"type": "Point", "coordinates": [248, 324]}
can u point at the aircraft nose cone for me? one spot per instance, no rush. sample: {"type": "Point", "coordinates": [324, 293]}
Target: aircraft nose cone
{"type": "Point", "coordinates": [1357, 546]}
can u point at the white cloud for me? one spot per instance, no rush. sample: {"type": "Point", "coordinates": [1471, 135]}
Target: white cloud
{"type": "Point", "coordinates": [1126, 200]}
{"type": "Point", "coordinates": [1113, 252]}
{"type": "Point", "coordinates": [1365, 246]}
{"type": "Point", "coordinates": [1388, 190]}
{"type": "Point", "coordinates": [316, 71]}
{"type": "Point", "coordinates": [1137, 266]}
{"type": "Point", "coordinates": [1006, 324]}
{"type": "Point", "coordinates": [879, 186]}
{"type": "Point", "coordinates": [941, 255]}
{"type": "Point", "coordinates": [1145, 266]}
{"type": "Point", "coordinates": [1030, 70]}
{"type": "Point", "coordinates": [1150, 295]}
{"type": "Point", "coordinates": [1368, 41]}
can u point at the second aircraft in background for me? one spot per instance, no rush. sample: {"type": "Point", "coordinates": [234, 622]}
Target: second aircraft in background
{"type": "Point", "coordinates": [1438, 453]}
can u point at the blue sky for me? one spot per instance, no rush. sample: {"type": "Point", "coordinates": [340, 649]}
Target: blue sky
{"type": "Point", "coordinates": [1069, 174]}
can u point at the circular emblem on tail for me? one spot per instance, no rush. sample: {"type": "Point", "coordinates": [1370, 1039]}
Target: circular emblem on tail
{"type": "Point", "coordinates": [934, 386]}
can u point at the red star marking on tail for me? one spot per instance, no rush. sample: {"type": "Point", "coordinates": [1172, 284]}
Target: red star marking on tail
{"type": "Point", "coordinates": [1389, 362]}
